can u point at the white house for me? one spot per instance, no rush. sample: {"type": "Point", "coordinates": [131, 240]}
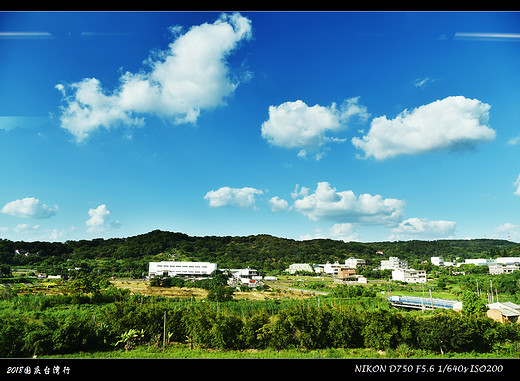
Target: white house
{"type": "Point", "coordinates": [437, 261]}
{"type": "Point", "coordinates": [409, 275]}
{"type": "Point", "coordinates": [394, 263]}
{"type": "Point", "coordinates": [195, 269]}
{"type": "Point", "coordinates": [300, 267]}
{"type": "Point", "coordinates": [334, 268]}
{"type": "Point", "coordinates": [498, 268]}
{"type": "Point", "coordinates": [242, 273]}
{"type": "Point", "coordinates": [354, 262]}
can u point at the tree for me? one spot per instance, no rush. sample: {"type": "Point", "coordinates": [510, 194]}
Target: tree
{"type": "Point", "coordinates": [5, 270]}
{"type": "Point", "coordinates": [84, 284]}
{"type": "Point", "coordinates": [220, 294]}
{"type": "Point", "coordinates": [380, 329]}
{"type": "Point", "coordinates": [226, 331]}
{"type": "Point", "coordinates": [472, 304]}
{"type": "Point", "coordinates": [444, 331]}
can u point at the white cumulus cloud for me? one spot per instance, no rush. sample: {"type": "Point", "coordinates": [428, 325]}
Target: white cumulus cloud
{"type": "Point", "coordinates": [100, 220]}
{"type": "Point", "coordinates": [276, 203]}
{"type": "Point", "coordinates": [26, 228]}
{"type": "Point", "coordinates": [29, 207]}
{"type": "Point", "coordinates": [307, 128]}
{"type": "Point", "coordinates": [452, 123]}
{"type": "Point", "coordinates": [235, 197]}
{"type": "Point", "coordinates": [327, 203]}
{"type": "Point", "coordinates": [191, 75]}
{"type": "Point", "coordinates": [344, 232]}
{"type": "Point", "coordinates": [508, 231]}
{"type": "Point", "coordinates": [424, 228]}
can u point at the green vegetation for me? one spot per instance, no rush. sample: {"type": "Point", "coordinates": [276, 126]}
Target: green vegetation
{"type": "Point", "coordinates": [129, 257]}
{"type": "Point", "coordinates": [82, 314]}
{"type": "Point", "coordinates": [349, 318]}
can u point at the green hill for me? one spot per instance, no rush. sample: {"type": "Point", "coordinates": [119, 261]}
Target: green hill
{"type": "Point", "coordinates": [263, 252]}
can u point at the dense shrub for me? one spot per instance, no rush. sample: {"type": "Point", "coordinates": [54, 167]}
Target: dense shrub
{"type": "Point", "coordinates": [89, 327]}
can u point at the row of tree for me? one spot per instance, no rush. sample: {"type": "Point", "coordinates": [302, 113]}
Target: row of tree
{"type": "Point", "coordinates": [263, 252]}
{"type": "Point", "coordinates": [301, 326]}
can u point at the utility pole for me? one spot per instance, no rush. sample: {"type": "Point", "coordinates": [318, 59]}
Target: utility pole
{"type": "Point", "coordinates": [164, 331]}
{"type": "Point", "coordinates": [422, 299]}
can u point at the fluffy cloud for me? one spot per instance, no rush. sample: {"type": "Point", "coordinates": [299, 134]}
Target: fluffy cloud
{"type": "Point", "coordinates": [517, 185]}
{"type": "Point", "coordinates": [507, 231]}
{"type": "Point", "coordinates": [449, 124]}
{"type": "Point", "coordinates": [100, 220]}
{"type": "Point", "coordinates": [276, 203]}
{"type": "Point", "coordinates": [26, 228]}
{"type": "Point", "coordinates": [181, 81]}
{"type": "Point", "coordinates": [424, 228]}
{"type": "Point", "coordinates": [327, 203]}
{"type": "Point", "coordinates": [344, 232]}
{"type": "Point", "coordinates": [29, 207]}
{"type": "Point", "coordinates": [296, 125]}
{"type": "Point", "coordinates": [236, 197]}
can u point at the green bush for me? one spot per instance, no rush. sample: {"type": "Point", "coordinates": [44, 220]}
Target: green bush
{"type": "Point", "coordinates": [345, 329]}
{"type": "Point", "coordinates": [38, 325]}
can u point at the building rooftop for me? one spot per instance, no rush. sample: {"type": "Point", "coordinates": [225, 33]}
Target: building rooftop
{"type": "Point", "coordinates": [507, 309]}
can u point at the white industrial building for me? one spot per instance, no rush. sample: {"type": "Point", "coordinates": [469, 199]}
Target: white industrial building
{"type": "Point", "coordinates": [480, 261]}
{"type": "Point", "coordinates": [409, 275]}
{"type": "Point", "coordinates": [508, 260]}
{"type": "Point", "coordinates": [189, 269]}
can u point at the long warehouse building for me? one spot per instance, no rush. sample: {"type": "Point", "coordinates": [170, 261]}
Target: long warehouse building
{"type": "Point", "coordinates": [192, 269]}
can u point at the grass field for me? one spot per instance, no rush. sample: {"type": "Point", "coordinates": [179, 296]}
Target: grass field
{"type": "Point", "coordinates": [183, 351]}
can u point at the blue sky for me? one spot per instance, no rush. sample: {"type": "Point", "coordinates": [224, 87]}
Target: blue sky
{"type": "Point", "coordinates": [367, 126]}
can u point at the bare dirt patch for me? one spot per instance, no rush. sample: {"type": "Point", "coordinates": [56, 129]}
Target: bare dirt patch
{"type": "Point", "coordinates": [139, 286]}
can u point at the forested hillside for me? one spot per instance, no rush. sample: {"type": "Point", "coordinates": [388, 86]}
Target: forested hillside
{"type": "Point", "coordinates": [263, 252]}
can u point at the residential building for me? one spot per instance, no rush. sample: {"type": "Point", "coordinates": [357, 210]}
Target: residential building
{"type": "Point", "coordinates": [354, 262]}
{"type": "Point", "coordinates": [188, 269]}
{"type": "Point", "coordinates": [247, 273]}
{"type": "Point", "coordinates": [394, 263]}
{"type": "Point", "coordinates": [503, 312]}
{"type": "Point", "coordinates": [243, 277]}
{"type": "Point", "coordinates": [498, 268]}
{"type": "Point", "coordinates": [318, 269]}
{"type": "Point", "coordinates": [347, 273]}
{"type": "Point", "coordinates": [409, 275]}
{"type": "Point", "coordinates": [333, 268]}
{"type": "Point", "coordinates": [437, 261]}
{"type": "Point", "coordinates": [295, 267]}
